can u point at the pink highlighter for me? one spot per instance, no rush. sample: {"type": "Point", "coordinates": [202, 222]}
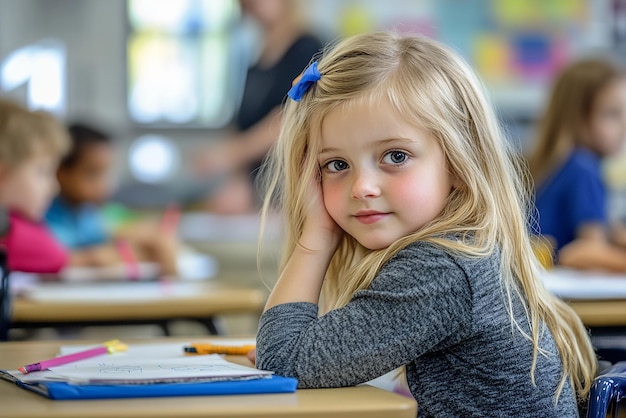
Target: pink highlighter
{"type": "Point", "coordinates": [108, 347]}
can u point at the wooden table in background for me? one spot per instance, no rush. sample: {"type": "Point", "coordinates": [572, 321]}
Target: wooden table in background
{"type": "Point", "coordinates": [71, 304]}
{"type": "Point", "coordinates": [598, 298]}
{"type": "Point", "coordinates": [361, 401]}
{"type": "Point", "coordinates": [601, 313]}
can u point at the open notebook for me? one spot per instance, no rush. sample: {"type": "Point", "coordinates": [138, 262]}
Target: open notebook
{"type": "Point", "coordinates": [147, 370]}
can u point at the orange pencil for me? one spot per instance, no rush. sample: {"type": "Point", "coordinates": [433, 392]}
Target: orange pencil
{"type": "Point", "coordinates": [207, 348]}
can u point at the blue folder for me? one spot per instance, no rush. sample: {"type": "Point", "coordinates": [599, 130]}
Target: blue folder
{"type": "Point", "coordinates": [68, 391]}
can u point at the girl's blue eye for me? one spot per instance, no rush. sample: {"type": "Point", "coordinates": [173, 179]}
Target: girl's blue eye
{"type": "Point", "coordinates": [336, 166]}
{"type": "Point", "coordinates": [395, 157]}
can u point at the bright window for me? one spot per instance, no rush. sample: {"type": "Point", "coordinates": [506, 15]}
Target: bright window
{"type": "Point", "coordinates": [36, 74]}
{"type": "Point", "coordinates": [180, 62]}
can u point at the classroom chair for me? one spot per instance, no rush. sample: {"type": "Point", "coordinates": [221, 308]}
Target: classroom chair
{"type": "Point", "coordinates": [607, 390]}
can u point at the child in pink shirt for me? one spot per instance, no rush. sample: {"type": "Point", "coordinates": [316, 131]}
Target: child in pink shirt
{"type": "Point", "coordinates": [31, 144]}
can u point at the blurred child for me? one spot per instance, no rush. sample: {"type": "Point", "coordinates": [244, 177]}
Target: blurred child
{"type": "Point", "coordinates": [31, 144]}
{"type": "Point", "coordinates": [405, 208]}
{"type": "Point", "coordinates": [75, 215]}
{"type": "Point", "coordinates": [585, 121]}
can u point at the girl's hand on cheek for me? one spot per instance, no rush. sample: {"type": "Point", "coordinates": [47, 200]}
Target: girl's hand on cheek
{"type": "Point", "coordinates": [320, 232]}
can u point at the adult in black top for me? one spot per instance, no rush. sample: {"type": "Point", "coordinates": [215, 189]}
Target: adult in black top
{"type": "Point", "coordinates": [286, 51]}
{"type": "Point", "coordinates": [266, 86]}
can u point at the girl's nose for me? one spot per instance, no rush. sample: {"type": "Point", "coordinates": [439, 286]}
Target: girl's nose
{"type": "Point", "coordinates": [365, 185]}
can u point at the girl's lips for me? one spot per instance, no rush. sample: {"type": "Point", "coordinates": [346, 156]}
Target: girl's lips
{"type": "Point", "coordinates": [369, 217]}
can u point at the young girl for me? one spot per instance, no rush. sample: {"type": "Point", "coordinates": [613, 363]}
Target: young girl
{"type": "Point", "coordinates": [404, 208]}
{"type": "Point", "coordinates": [585, 121]}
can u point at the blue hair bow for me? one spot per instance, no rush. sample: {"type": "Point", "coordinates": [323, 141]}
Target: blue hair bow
{"type": "Point", "coordinates": [306, 80]}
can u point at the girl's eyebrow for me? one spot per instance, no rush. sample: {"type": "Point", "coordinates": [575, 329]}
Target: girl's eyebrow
{"type": "Point", "coordinates": [328, 150]}
{"type": "Point", "coordinates": [376, 143]}
{"type": "Point", "coordinates": [396, 139]}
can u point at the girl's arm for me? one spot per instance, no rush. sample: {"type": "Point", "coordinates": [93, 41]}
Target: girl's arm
{"type": "Point", "coordinates": [301, 279]}
{"type": "Point", "coordinates": [420, 301]}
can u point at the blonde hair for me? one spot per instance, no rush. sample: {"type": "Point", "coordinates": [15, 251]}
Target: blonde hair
{"type": "Point", "coordinates": [433, 88]}
{"type": "Point", "coordinates": [24, 132]}
{"type": "Point", "coordinates": [568, 110]}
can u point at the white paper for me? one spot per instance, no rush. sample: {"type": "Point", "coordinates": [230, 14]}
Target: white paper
{"type": "Point", "coordinates": [166, 354]}
{"type": "Point", "coordinates": [146, 363]}
{"type": "Point", "coordinates": [584, 285]}
{"type": "Point", "coordinates": [119, 369]}
{"type": "Point", "coordinates": [42, 376]}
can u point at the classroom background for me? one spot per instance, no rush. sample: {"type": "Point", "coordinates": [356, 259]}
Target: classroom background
{"type": "Point", "coordinates": [165, 78]}
{"type": "Point", "coordinates": [173, 69]}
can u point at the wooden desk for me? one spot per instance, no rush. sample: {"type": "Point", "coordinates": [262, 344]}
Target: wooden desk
{"type": "Point", "coordinates": [58, 303]}
{"type": "Point", "coordinates": [598, 298]}
{"type": "Point", "coordinates": [353, 402]}
{"type": "Point", "coordinates": [600, 313]}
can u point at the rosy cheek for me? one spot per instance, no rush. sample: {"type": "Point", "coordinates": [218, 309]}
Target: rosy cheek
{"type": "Point", "coordinates": [404, 187]}
{"type": "Point", "coordinates": [420, 190]}
{"type": "Point", "coordinates": [333, 198]}
{"type": "Point", "coordinates": [411, 189]}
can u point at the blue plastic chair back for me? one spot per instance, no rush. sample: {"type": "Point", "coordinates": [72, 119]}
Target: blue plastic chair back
{"type": "Point", "coordinates": [607, 389]}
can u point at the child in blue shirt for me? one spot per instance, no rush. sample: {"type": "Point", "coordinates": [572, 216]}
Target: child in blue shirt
{"type": "Point", "coordinates": [573, 196]}
{"type": "Point", "coordinates": [75, 216]}
{"type": "Point", "coordinates": [83, 174]}
{"type": "Point", "coordinates": [585, 121]}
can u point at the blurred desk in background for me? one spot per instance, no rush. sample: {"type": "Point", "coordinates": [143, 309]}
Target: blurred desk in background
{"type": "Point", "coordinates": [601, 313]}
{"type": "Point", "coordinates": [233, 242]}
{"type": "Point", "coordinates": [598, 298]}
{"type": "Point", "coordinates": [203, 227]}
{"type": "Point", "coordinates": [62, 304]}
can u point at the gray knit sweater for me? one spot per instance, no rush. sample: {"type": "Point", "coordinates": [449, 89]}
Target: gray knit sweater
{"type": "Point", "coordinates": [443, 316]}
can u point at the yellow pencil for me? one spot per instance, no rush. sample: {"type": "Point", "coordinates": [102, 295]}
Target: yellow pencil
{"type": "Point", "coordinates": [207, 348]}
